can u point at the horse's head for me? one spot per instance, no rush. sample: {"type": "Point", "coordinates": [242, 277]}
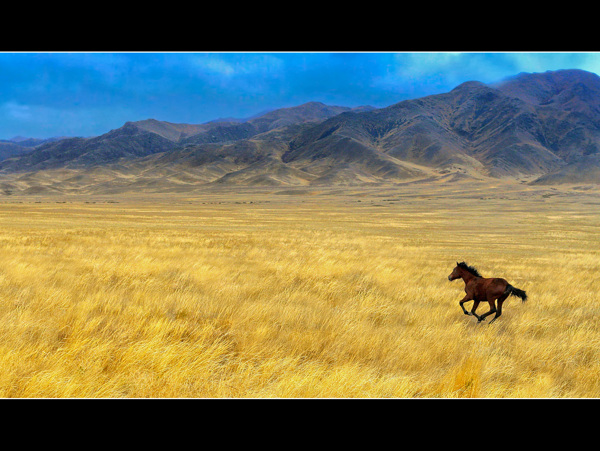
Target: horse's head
{"type": "Point", "coordinates": [455, 274]}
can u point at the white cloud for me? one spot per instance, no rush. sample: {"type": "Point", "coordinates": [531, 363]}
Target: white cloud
{"type": "Point", "coordinates": [422, 73]}
{"type": "Point", "coordinates": [240, 64]}
{"type": "Point", "coordinates": [545, 61]}
{"type": "Point", "coordinates": [14, 110]}
{"type": "Point", "coordinates": [39, 121]}
{"type": "Point", "coordinates": [416, 65]}
{"type": "Point", "coordinates": [213, 64]}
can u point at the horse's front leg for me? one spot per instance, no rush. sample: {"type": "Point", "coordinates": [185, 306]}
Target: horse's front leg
{"type": "Point", "coordinates": [475, 305]}
{"type": "Point", "coordinates": [462, 301]}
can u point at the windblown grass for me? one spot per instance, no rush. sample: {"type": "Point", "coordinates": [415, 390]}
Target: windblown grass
{"type": "Point", "coordinates": [308, 296]}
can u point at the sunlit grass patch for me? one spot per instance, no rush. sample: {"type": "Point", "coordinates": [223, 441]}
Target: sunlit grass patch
{"type": "Point", "coordinates": [294, 299]}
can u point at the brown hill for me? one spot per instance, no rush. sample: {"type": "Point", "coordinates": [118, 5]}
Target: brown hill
{"type": "Point", "coordinates": [584, 170]}
{"type": "Point", "coordinates": [567, 105]}
{"type": "Point", "coordinates": [306, 113]}
{"type": "Point", "coordinates": [474, 128]}
{"type": "Point", "coordinates": [544, 126]}
{"type": "Point", "coordinates": [143, 138]}
{"type": "Point", "coordinates": [508, 130]}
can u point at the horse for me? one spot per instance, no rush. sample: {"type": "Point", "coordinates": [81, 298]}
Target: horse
{"type": "Point", "coordinates": [482, 289]}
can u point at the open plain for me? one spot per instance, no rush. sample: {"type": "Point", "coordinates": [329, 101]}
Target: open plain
{"type": "Point", "coordinates": [302, 292]}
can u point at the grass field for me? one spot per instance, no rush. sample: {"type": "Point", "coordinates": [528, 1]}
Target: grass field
{"type": "Point", "coordinates": [314, 294]}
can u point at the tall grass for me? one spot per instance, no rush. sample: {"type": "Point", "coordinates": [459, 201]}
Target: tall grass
{"type": "Point", "coordinates": [296, 297]}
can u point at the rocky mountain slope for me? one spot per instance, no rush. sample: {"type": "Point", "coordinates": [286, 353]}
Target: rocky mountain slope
{"type": "Point", "coordinates": [147, 137]}
{"type": "Point", "coordinates": [543, 127]}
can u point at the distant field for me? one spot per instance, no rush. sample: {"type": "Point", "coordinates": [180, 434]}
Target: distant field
{"type": "Point", "coordinates": [291, 293]}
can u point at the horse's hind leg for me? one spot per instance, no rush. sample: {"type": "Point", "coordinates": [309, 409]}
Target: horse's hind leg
{"type": "Point", "coordinates": [492, 310]}
{"type": "Point", "coordinates": [501, 299]}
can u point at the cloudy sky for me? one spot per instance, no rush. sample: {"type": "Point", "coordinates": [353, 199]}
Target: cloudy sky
{"type": "Point", "coordinates": [87, 94]}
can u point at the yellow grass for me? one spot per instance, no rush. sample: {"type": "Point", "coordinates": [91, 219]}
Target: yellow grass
{"type": "Point", "coordinates": [315, 295]}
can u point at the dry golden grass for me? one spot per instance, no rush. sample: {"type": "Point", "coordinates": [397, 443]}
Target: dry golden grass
{"type": "Point", "coordinates": [318, 295]}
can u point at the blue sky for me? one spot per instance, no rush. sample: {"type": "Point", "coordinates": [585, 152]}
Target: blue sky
{"type": "Point", "coordinates": [87, 94]}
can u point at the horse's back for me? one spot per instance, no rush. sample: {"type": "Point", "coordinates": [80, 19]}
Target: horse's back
{"type": "Point", "coordinates": [485, 289]}
{"type": "Point", "coordinates": [496, 287]}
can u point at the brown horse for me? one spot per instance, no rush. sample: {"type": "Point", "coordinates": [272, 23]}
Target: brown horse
{"type": "Point", "coordinates": [480, 289]}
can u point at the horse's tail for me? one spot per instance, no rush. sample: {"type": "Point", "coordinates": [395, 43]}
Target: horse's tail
{"type": "Point", "coordinates": [512, 291]}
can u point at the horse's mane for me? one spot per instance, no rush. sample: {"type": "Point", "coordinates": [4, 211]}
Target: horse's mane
{"type": "Point", "coordinates": [472, 270]}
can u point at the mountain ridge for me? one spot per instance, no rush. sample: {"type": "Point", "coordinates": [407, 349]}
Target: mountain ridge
{"type": "Point", "coordinates": [142, 138]}
{"type": "Point", "coordinates": [540, 127]}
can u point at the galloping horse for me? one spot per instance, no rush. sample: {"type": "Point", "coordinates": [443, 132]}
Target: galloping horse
{"type": "Point", "coordinates": [480, 289]}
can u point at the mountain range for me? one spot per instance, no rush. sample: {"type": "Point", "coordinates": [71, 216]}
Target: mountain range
{"type": "Point", "coordinates": [543, 128]}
